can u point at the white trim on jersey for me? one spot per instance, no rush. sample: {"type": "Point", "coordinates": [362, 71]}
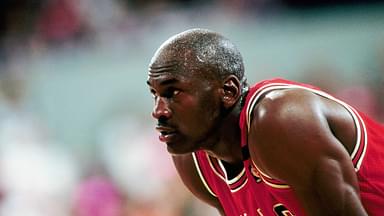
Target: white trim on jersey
{"type": "Point", "coordinates": [233, 180]}
{"type": "Point", "coordinates": [201, 175]}
{"type": "Point", "coordinates": [225, 177]}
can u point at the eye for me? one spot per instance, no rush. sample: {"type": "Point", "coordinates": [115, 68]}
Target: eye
{"type": "Point", "coordinates": [170, 93]}
{"type": "Point", "coordinates": [153, 93]}
{"type": "Point", "coordinates": [176, 92]}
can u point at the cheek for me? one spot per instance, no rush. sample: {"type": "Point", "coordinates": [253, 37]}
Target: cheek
{"type": "Point", "coordinates": [194, 115]}
{"type": "Point", "coordinates": [208, 111]}
{"type": "Point", "coordinates": [211, 110]}
{"type": "Point", "coordinates": [211, 103]}
{"type": "Point", "coordinates": [199, 112]}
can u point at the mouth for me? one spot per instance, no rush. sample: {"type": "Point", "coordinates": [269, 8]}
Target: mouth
{"type": "Point", "coordinates": [167, 134]}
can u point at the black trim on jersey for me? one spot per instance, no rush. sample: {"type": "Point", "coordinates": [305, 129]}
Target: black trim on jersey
{"type": "Point", "coordinates": [245, 152]}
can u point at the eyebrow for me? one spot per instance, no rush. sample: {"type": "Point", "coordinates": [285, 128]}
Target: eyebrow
{"type": "Point", "coordinates": [166, 81]}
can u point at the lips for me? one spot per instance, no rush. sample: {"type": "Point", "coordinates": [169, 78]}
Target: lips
{"type": "Point", "coordinates": [167, 134]}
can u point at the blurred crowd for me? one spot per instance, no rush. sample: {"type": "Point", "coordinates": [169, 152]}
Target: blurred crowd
{"type": "Point", "coordinates": [126, 171]}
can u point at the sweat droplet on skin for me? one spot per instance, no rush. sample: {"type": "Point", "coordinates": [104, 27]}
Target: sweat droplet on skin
{"type": "Point", "coordinates": [200, 60]}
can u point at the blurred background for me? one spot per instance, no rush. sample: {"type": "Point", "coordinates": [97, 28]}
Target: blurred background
{"type": "Point", "coordinates": [76, 136]}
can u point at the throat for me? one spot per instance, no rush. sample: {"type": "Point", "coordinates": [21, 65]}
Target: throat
{"type": "Point", "coordinates": [232, 170]}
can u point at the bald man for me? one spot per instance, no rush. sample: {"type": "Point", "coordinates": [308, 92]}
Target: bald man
{"type": "Point", "coordinates": [276, 148]}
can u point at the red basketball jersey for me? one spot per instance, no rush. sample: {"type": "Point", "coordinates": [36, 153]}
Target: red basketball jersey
{"type": "Point", "coordinates": [253, 193]}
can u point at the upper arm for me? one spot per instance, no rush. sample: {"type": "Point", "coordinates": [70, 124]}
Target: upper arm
{"type": "Point", "coordinates": [292, 140]}
{"type": "Point", "coordinates": [186, 168]}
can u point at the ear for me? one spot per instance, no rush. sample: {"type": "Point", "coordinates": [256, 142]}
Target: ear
{"type": "Point", "coordinates": [230, 91]}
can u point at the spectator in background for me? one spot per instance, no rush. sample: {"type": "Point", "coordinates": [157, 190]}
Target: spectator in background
{"type": "Point", "coordinates": [98, 195]}
{"type": "Point", "coordinates": [36, 175]}
{"type": "Point", "coordinates": [60, 22]}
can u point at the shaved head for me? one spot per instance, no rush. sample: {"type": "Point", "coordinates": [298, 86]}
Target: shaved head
{"type": "Point", "coordinates": [200, 51]}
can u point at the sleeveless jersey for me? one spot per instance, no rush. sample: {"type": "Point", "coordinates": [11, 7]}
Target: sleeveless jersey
{"type": "Point", "coordinates": [253, 193]}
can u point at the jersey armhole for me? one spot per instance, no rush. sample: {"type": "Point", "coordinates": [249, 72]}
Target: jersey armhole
{"type": "Point", "coordinates": [203, 180]}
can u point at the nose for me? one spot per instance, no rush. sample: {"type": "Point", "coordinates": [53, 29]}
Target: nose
{"type": "Point", "coordinates": [161, 109]}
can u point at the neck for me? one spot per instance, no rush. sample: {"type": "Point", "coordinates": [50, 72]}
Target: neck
{"type": "Point", "coordinates": [227, 146]}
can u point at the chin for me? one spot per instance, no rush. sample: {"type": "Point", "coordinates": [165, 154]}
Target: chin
{"type": "Point", "coordinates": [178, 149]}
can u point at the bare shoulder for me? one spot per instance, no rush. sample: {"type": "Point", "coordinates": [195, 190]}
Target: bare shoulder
{"type": "Point", "coordinates": [305, 140]}
{"type": "Point", "coordinates": [285, 102]}
{"type": "Point", "coordinates": [301, 110]}
{"type": "Point", "coordinates": [191, 178]}
{"type": "Point", "coordinates": [294, 127]}
{"type": "Point", "coordinates": [287, 108]}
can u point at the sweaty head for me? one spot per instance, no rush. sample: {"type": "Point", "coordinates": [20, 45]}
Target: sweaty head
{"type": "Point", "coordinates": [195, 78]}
{"type": "Point", "coordinates": [199, 52]}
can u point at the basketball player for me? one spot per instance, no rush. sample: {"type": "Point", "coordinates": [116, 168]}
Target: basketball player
{"type": "Point", "coordinates": [276, 148]}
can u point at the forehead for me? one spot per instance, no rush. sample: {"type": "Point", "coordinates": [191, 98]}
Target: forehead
{"type": "Point", "coordinates": [166, 73]}
{"type": "Point", "coordinates": [172, 63]}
